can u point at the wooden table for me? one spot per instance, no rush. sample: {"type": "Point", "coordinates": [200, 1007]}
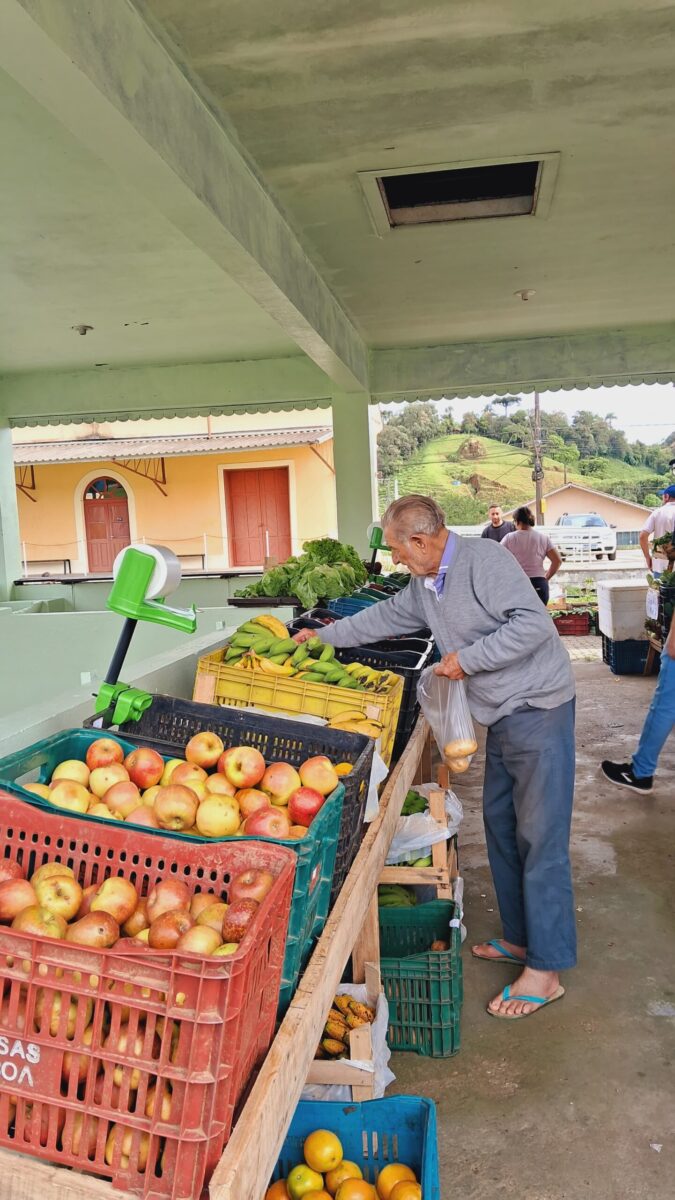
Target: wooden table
{"type": "Point", "coordinates": [251, 1154]}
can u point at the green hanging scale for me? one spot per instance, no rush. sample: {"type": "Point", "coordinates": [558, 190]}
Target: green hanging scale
{"type": "Point", "coordinates": [143, 576]}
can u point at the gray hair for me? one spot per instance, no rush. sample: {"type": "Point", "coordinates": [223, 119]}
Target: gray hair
{"type": "Point", "coordinates": [412, 515]}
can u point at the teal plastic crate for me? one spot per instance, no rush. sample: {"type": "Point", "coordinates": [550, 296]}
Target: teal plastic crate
{"type": "Point", "coordinates": [315, 852]}
{"type": "Point", "coordinates": [424, 987]}
{"type": "Point", "coordinates": [373, 1134]}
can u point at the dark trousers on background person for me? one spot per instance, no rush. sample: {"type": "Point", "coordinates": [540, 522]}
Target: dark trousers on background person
{"type": "Point", "coordinates": [527, 810]}
{"type": "Point", "coordinates": [540, 585]}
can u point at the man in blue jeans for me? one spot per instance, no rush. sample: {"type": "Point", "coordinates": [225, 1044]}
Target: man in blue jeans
{"type": "Point", "coordinates": [495, 634]}
{"type": "Point", "coordinates": [638, 775]}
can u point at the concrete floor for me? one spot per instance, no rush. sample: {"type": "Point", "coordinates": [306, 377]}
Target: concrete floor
{"type": "Point", "coordinates": [578, 1101]}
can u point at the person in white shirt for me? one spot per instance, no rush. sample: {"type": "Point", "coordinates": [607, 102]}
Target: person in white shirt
{"type": "Point", "coordinates": [658, 523]}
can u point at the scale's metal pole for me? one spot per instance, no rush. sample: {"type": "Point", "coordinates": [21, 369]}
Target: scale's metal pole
{"type": "Point", "coordinates": [120, 653]}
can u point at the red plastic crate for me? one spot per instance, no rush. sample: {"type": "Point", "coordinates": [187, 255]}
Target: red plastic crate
{"type": "Point", "coordinates": [205, 1024]}
{"type": "Point", "coordinates": [573, 624]}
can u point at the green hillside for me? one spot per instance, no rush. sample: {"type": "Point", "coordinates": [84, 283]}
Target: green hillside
{"type": "Point", "coordinates": [503, 475]}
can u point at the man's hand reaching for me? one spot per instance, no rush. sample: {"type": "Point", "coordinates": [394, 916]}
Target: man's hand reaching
{"type": "Point", "coordinates": [303, 635]}
{"type": "Point", "coordinates": [450, 666]}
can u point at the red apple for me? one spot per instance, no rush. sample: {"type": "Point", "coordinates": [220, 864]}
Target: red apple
{"type": "Point", "coordinates": [145, 767]}
{"type": "Point", "coordinates": [176, 807]}
{"type": "Point", "coordinates": [73, 769]}
{"type": "Point", "coordinates": [103, 778]}
{"type": "Point", "coordinates": [97, 929]}
{"type": "Point", "coordinates": [200, 901]}
{"type": "Point", "coordinates": [251, 885]}
{"type": "Point", "coordinates": [40, 922]}
{"type": "Point", "coordinates": [15, 894]}
{"type": "Point", "coordinates": [166, 930]}
{"type": "Point", "coordinates": [279, 782]}
{"type": "Point", "coordinates": [103, 752]}
{"type": "Point", "coordinates": [320, 774]}
{"type": "Point", "coordinates": [167, 895]}
{"type": "Point", "coordinates": [116, 896]}
{"type": "Point", "coordinates": [218, 816]}
{"type": "Point", "coordinates": [69, 795]}
{"type": "Point", "coordinates": [244, 766]}
{"type": "Point", "coordinates": [200, 939]}
{"type": "Point", "coordinates": [251, 799]}
{"type": "Point", "coordinates": [304, 805]}
{"type": "Point", "coordinates": [187, 773]}
{"type": "Point", "coordinates": [87, 897]}
{"type": "Point", "coordinates": [138, 921]}
{"type": "Point", "coordinates": [9, 870]}
{"type": "Point", "coordinates": [213, 915]}
{"type": "Point", "coordinates": [122, 799]}
{"type": "Point", "coordinates": [218, 785]}
{"type": "Point", "coordinates": [84, 1132]}
{"type": "Point", "coordinates": [50, 868]}
{"type": "Point", "coordinates": [144, 816]}
{"type": "Point", "coordinates": [60, 894]}
{"type": "Point", "coordinates": [80, 1062]}
{"type": "Point", "coordinates": [134, 1148]}
{"type": "Point", "coordinates": [237, 919]}
{"type": "Point", "coordinates": [204, 749]}
{"type": "Point", "coordinates": [267, 822]}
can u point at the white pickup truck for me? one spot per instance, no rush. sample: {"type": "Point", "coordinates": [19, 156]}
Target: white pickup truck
{"type": "Point", "coordinates": [583, 535]}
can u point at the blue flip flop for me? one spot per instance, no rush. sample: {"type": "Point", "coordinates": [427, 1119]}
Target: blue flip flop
{"type": "Point", "coordinates": [506, 955]}
{"type": "Point", "coordinates": [540, 1001]}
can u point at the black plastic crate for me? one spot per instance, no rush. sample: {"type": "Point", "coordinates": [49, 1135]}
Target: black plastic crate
{"type": "Point", "coordinates": [666, 608]}
{"type": "Point", "coordinates": [406, 663]}
{"type": "Point", "coordinates": [322, 615]}
{"type": "Point", "coordinates": [628, 657]}
{"type": "Point", "coordinates": [169, 724]}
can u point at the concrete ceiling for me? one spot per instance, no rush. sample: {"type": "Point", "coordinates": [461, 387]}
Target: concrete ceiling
{"type": "Point", "coordinates": [319, 92]}
{"type": "Point", "coordinates": [78, 245]}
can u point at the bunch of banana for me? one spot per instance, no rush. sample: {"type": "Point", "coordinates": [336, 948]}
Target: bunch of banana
{"type": "Point", "coordinates": [346, 1014]}
{"type": "Point", "coordinates": [370, 680]}
{"type": "Point", "coordinates": [354, 721]}
{"type": "Point", "coordinates": [396, 895]}
{"type": "Point", "coordinates": [261, 640]}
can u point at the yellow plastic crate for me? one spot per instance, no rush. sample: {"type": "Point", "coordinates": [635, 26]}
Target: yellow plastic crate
{"type": "Point", "coordinates": [216, 683]}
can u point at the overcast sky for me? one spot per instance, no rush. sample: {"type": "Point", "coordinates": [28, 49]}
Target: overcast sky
{"type": "Point", "coordinates": [645, 413]}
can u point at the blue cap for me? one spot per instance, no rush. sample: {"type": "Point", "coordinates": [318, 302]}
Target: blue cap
{"type": "Point", "coordinates": [669, 491]}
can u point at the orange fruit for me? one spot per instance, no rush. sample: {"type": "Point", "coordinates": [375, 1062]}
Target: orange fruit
{"type": "Point", "coordinates": [356, 1189]}
{"type": "Point", "coordinates": [343, 769]}
{"type": "Point", "coordinates": [323, 1151]}
{"type": "Point", "coordinates": [390, 1175]}
{"type": "Point", "coordinates": [318, 1196]}
{"type": "Point", "coordinates": [346, 1170]}
{"type": "Point", "coordinates": [278, 1191]}
{"type": "Point", "coordinates": [301, 1180]}
{"type": "Point", "coordinates": [406, 1190]}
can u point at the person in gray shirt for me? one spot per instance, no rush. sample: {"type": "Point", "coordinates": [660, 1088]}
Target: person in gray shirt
{"type": "Point", "coordinates": [498, 527]}
{"type": "Point", "coordinates": [494, 633]}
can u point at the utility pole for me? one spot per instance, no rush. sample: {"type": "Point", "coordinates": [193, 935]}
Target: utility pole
{"type": "Point", "coordinates": [538, 470]}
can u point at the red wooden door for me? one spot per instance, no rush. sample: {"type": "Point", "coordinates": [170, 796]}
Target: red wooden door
{"type": "Point", "coordinates": [106, 520]}
{"type": "Point", "coordinates": [258, 515]}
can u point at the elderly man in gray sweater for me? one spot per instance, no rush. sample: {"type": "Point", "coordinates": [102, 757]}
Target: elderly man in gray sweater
{"type": "Point", "coordinates": [493, 633]}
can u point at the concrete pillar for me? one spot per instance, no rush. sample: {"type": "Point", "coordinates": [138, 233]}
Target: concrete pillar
{"type": "Point", "coordinates": [10, 541]}
{"type": "Point", "coordinates": [354, 448]}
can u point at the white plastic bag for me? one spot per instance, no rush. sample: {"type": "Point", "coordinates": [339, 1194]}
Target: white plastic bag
{"type": "Point", "coordinates": [378, 774]}
{"type": "Point", "coordinates": [379, 1067]}
{"type": "Point", "coordinates": [416, 834]}
{"type": "Point", "coordinates": [444, 704]}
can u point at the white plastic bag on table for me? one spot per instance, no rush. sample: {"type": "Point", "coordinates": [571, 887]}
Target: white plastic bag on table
{"type": "Point", "coordinates": [378, 774]}
{"type": "Point", "coordinates": [420, 831]}
{"type": "Point", "coordinates": [445, 706]}
{"type": "Point", "coordinates": [379, 1067]}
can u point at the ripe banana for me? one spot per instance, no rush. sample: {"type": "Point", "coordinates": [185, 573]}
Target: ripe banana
{"type": "Point", "coordinates": [271, 668]}
{"type": "Point", "coordinates": [273, 624]}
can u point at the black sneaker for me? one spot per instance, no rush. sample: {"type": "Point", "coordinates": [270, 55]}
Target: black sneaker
{"type": "Point", "coordinates": [622, 775]}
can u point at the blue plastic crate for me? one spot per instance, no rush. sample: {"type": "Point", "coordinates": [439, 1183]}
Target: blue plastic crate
{"type": "Point", "coordinates": [373, 1134]}
{"type": "Point", "coordinates": [628, 657]}
{"type": "Point", "coordinates": [347, 606]}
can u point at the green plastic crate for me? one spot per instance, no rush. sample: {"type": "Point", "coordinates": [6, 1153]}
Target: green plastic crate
{"type": "Point", "coordinates": [424, 988]}
{"type": "Point", "coordinates": [315, 853]}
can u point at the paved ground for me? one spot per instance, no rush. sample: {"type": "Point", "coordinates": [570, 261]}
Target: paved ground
{"type": "Point", "coordinates": [577, 1103]}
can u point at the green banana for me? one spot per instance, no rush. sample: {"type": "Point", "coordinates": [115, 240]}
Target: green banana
{"type": "Point", "coordinates": [282, 646]}
{"type": "Point", "coordinates": [279, 659]}
{"type": "Point", "coordinates": [249, 627]}
{"type": "Point", "coordinates": [313, 643]}
{"type": "Point", "coordinates": [301, 653]}
{"type": "Point", "coordinates": [336, 673]}
{"type": "Point", "coordinates": [262, 646]}
{"type": "Point", "coordinates": [327, 654]}
{"type": "Point", "coordinates": [348, 681]}
{"type": "Point", "coordinates": [312, 677]}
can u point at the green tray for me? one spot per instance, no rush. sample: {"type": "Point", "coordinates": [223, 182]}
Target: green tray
{"type": "Point", "coordinates": [424, 988]}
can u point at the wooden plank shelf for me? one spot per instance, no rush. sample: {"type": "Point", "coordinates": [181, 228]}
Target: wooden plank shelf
{"type": "Point", "coordinates": [251, 1154]}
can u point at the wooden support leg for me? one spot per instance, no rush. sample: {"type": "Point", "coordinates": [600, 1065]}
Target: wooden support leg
{"type": "Point", "coordinates": [367, 945]}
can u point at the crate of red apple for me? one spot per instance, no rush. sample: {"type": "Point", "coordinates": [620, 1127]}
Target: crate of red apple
{"type": "Point", "coordinates": [138, 991]}
{"type": "Point", "coordinates": [212, 793]}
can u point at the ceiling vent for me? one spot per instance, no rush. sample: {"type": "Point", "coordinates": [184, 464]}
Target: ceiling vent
{"type": "Point", "coordinates": [414, 196]}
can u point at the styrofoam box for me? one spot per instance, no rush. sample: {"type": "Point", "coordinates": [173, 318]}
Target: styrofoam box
{"type": "Point", "coordinates": [622, 609]}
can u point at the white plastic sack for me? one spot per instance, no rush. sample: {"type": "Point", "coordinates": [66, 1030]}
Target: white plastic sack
{"type": "Point", "coordinates": [381, 1053]}
{"type": "Point", "coordinates": [416, 834]}
{"type": "Point", "coordinates": [378, 774]}
{"type": "Point", "coordinates": [445, 706]}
